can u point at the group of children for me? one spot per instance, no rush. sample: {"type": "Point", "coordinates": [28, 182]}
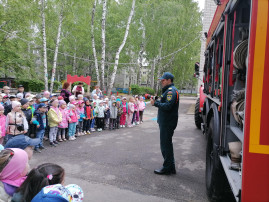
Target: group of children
{"type": "Point", "coordinates": [41, 184]}
{"type": "Point", "coordinates": [37, 116]}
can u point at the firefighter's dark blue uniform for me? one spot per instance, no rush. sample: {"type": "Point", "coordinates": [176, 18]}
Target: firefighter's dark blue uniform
{"type": "Point", "coordinates": [167, 120]}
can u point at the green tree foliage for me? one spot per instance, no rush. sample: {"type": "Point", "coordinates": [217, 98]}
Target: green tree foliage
{"type": "Point", "coordinates": [171, 23]}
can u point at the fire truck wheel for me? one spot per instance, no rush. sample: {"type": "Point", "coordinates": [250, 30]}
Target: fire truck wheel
{"type": "Point", "coordinates": [197, 115]}
{"type": "Point", "coordinates": [216, 181]}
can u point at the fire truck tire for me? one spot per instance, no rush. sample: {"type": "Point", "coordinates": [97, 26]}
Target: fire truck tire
{"type": "Point", "coordinates": [217, 185]}
{"type": "Point", "coordinates": [197, 115]}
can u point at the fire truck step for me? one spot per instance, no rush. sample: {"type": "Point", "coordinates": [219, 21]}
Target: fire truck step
{"type": "Point", "coordinates": [234, 177]}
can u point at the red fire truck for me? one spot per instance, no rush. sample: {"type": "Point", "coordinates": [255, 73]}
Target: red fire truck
{"type": "Point", "coordinates": [233, 107]}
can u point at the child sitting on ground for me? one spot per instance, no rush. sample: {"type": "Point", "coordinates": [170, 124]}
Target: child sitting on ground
{"type": "Point", "coordinates": [54, 118]}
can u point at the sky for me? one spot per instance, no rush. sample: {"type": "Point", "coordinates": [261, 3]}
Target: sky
{"type": "Point", "coordinates": [201, 3]}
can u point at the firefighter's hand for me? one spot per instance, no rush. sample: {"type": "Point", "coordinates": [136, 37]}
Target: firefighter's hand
{"type": "Point", "coordinates": [152, 101]}
{"type": "Point", "coordinates": [38, 126]}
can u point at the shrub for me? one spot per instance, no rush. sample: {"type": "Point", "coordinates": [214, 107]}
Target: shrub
{"type": "Point", "coordinates": [33, 85]}
{"type": "Point", "coordinates": [36, 85]}
{"type": "Point", "coordinates": [140, 90]}
{"type": "Point", "coordinates": [135, 89]}
{"type": "Point", "coordinates": [149, 90]}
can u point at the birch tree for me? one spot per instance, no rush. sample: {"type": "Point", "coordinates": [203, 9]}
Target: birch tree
{"type": "Point", "coordinates": [141, 53]}
{"type": "Point", "coordinates": [93, 44]}
{"type": "Point", "coordinates": [110, 86]}
{"type": "Point", "coordinates": [45, 60]}
{"type": "Point", "coordinates": [103, 44]}
{"type": "Point", "coordinates": [56, 50]}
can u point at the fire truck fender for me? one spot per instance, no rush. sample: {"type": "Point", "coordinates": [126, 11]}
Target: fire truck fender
{"type": "Point", "coordinates": [214, 113]}
{"type": "Point", "coordinates": [205, 111]}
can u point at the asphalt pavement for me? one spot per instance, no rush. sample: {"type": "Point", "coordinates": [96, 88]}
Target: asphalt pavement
{"type": "Point", "coordinates": [118, 165]}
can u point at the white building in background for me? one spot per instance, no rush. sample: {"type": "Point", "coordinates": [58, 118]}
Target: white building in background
{"type": "Point", "coordinates": [208, 14]}
{"type": "Point", "coordinates": [128, 76]}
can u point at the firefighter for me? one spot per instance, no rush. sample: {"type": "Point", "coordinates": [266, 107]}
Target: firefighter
{"type": "Point", "coordinates": [167, 119]}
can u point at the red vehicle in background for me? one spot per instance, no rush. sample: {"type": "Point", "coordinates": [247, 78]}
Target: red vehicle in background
{"type": "Point", "coordinates": [234, 114]}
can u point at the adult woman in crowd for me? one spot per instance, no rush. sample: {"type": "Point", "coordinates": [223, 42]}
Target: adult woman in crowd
{"type": "Point", "coordinates": [13, 169]}
{"type": "Point", "coordinates": [65, 93]}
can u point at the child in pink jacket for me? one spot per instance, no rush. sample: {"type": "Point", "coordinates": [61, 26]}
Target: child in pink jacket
{"type": "Point", "coordinates": [64, 124]}
{"type": "Point", "coordinates": [2, 124]}
{"type": "Point", "coordinates": [141, 108]}
{"type": "Point", "coordinates": [73, 119]}
{"type": "Point", "coordinates": [130, 112]}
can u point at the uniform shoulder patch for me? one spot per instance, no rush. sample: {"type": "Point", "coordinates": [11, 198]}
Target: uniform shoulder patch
{"type": "Point", "coordinates": [169, 88]}
{"type": "Point", "coordinates": [169, 97]}
{"type": "Point", "coordinates": [170, 92]}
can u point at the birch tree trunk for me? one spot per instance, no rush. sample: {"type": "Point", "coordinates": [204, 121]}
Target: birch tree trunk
{"type": "Point", "coordinates": [110, 86]}
{"type": "Point", "coordinates": [45, 61]}
{"type": "Point", "coordinates": [140, 65]}
{"type": "Point", "coordinates": [159, 68]}
{"type": "Point", "coordinates": [74, 61]}
{"type": "Point", "coordinates": [56, 51]}
{"type": "Point", "coordinates": [93, 45]}
{"type": "Point", "coordinates": [103, 44]}
{"type": "Point", "coordinates": [141, 53]}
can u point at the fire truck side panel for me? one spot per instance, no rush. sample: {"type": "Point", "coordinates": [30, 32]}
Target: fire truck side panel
{"type": "Point", "coordinates": [255, 176]}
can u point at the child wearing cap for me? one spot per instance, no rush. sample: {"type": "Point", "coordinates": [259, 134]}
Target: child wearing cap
{"type": "Point", "coordinates": [41, 122]}
{"type": "Point", "coordinates": [88, 117]}
{"type": "Point", "coordinates": [63, 125]}
{"type": "Point", "coordinates": [54, 118]}
{"type": "Point", "coordinates": [124, 112]}
{"type": "Point", "coordinates": [72, 119]}
{"type": "Point", "coordinates": [27, 111]}
{"type": "Point", "coordinates": [2, 124]}
{"type": "Point", "coordinates": [58, 192]}
{"type": "Point", "coordinates": [81, 114]}
{"type": "Point", "coordinates": [100, 115]}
